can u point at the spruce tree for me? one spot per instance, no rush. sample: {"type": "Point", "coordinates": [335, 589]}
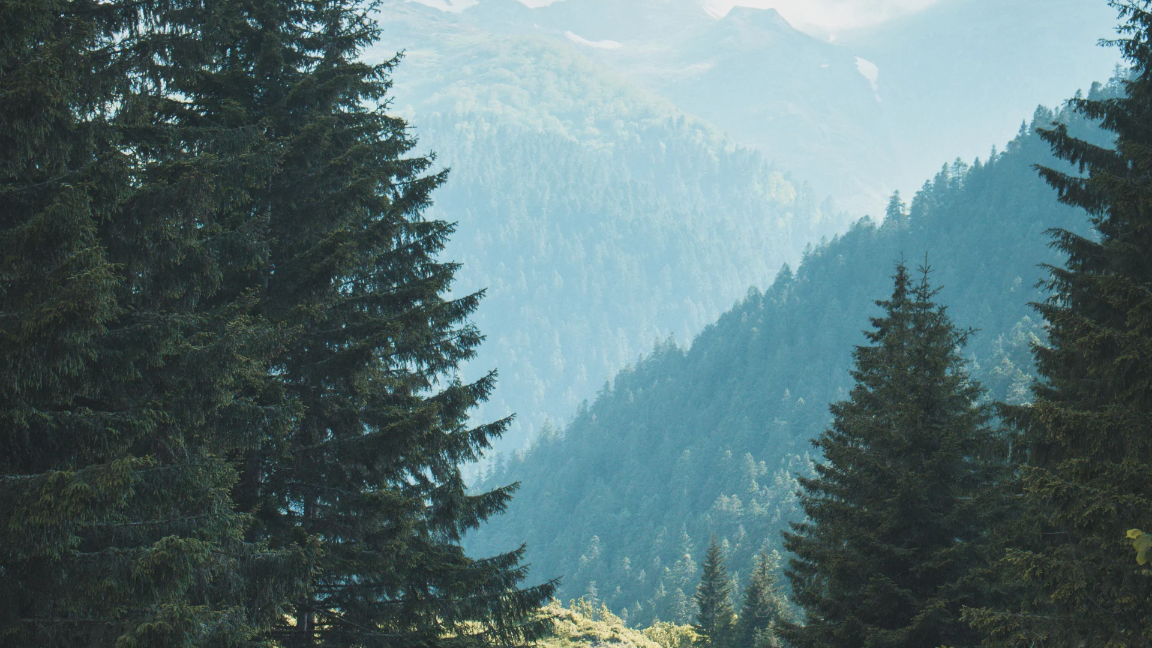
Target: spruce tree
{"type": "Point", "coordinates": [764, 606]}
{"type": "Point", "coordinates": [894, 524]}
{"type": "Point", "coordinates": [1086, 440]}
{"type": "Point", "coordinates": [715, 617]}
{"type": "Point", "coordinates": [127, 384]}
{"type": "Point", "coordinates": [896, 214]}
{"type": "Point", "coordinates": [367, 482]}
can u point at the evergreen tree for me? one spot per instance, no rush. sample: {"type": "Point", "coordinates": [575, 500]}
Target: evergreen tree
{"type": "Point", "coordinates": [1085, 438]}
{"type": "Point", "coordinates": [57, 298]}
{"type": "Point", "coordinates": [715, 618]}
{"type": "Point", "coordinates": [368, 481]}
{"type": "Point", "coordinates": [127, 382]}
{"type": "Point", "coordinates": [894, 524]}
{"type": "Point", "coordinates": [896, 214]}
{"type": "Point", "coordinates": [764, 606]}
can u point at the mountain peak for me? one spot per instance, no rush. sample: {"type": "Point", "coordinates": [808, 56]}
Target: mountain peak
{"type": "Point", "coordinates": [757, 18]}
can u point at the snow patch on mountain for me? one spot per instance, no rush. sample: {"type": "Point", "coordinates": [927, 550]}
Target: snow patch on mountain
{"type": "Point", "coordinates": [603, 44]}
{"type": "Point", "coordinates": [869, 71]}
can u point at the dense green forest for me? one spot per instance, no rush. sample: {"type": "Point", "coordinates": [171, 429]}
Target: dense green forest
{"type": "Point", "coordinates": [708, 439]}
{"type": "Point", "coordinates": [240, 379]}
{"type": "Point", "coordinates": [229, 411]}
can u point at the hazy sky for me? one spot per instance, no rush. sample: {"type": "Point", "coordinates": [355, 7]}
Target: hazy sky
{"type": "Point", "coordinates": [829, 16]}
{"type": "Point", "coordinates": [822, 16]}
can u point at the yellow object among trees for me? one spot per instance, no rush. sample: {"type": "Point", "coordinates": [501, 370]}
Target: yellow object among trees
{"type": "Point", "coordinates": [1142, 542]}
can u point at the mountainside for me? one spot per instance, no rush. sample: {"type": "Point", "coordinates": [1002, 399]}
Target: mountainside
{"type": "Point", "coordinates": [800, 101]}
{"type": "Point", "coordinates": [601, 215]}
{"type": "Point", "coordinates": [597, 216]}
{"type": "Point", "coordinates": [857, 114]}
{"type": "Point", "coordinates": [706, 440]}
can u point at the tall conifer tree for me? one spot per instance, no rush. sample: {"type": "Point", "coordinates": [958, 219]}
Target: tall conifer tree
{"type": "Point", "coordinates": [368, 480]}
{"type": "Point", "coordinates": [893, 525]}
{"type": "Point", "coordinates": [764, 606]}
{"type": "Point", "coordinates": [715, 617]}
{"type": "Point", "coordinates": [127, 383]}
{"type": "Point", "coordinates": [1087, 436]}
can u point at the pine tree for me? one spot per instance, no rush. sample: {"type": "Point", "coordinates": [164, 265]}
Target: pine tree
{"type": "Point", "coordinates": [368, 480]}
{"type": "Point", "coordinates": [1086, 439]}
{"type": "Point", "coordinates": [57, 297]}
{"type": "Point", "coordinates": [127, 382]}
{"type": "Point", "coordinates": [894, 524]}
{"type": "Point", "coordinates": [896, 214]}
{"type": "Point", "coordinates": [764, 606]}
{"type": "Point", "coordinates": [715, 617]}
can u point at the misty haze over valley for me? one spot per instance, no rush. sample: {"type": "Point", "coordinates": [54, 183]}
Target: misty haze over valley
{"type": "Point", "coordinates": [623, 171]}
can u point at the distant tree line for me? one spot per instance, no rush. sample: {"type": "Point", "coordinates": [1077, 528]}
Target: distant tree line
{"type": "Point", "coordinates": [228, 406]}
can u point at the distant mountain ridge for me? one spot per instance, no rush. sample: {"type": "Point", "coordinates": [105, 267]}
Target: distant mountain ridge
{"type": "Point", "coordinates": [523, 110]}
{"type": "Point", "coordinates": [598, 217]}
{"type": "Point", "coordinates": [964, 74]}
{"type": "Point", "coordinates": [768, 85]}
{"type": "Point", "coordinates": [954, 79]}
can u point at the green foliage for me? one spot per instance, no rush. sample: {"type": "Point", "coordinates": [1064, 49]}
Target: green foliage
{"type": "Point", "coordinates": [896, 515]}
{"type": "Point", "coordinates": [1085, 437]}
{"type": "Point", "coordinates": [701, 441]}
{"type": "Point", "coordinates": [130, 378]}
{"type": "Point", "coordinates": [764, 607]}
{"type": "Point", "coordinates": [228, 403]}
{"type": "Point", "coordinates": [670, 635]}
{"type": "Point", "coordinates": [365, 485]}
{"type": "Point", "coordinates": [715, 618]}
{"type": "Point", "coordinates": [584, 623]}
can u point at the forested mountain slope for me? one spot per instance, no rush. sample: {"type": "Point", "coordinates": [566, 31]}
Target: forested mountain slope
{"type": "Point", "coordinates": [702, 441]}
{"type": "Point", "coordinates": [600, 215]}
{"type": "Point", "coordinates": [799, 100]}
{"type": "Point", "coordinates": [596, 215]}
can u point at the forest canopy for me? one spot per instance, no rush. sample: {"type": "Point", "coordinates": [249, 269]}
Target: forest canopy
{"type": "Point", "coordinates": [240, 384]}
{"type": "Point", "coordinates": [228, 400]}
